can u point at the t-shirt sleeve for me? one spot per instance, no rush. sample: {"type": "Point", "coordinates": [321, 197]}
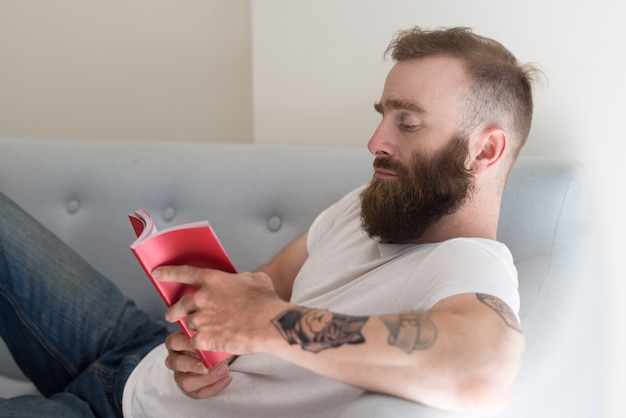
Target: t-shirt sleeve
{"type": "Point", "coordinates": [469, 266]}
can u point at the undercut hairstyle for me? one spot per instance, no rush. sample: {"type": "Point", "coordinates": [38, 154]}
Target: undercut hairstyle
{"type": "Point", "coordinates": [500, 91]}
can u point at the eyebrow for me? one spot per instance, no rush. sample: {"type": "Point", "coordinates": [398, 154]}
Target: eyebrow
{"type": "Point", "coordinates": [394, 104]}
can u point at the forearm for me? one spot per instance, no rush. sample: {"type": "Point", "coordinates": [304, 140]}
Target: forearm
{"type": "Point", "coordinates": [353, 349]}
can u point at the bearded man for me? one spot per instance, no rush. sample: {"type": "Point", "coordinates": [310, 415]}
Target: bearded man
{"type": "Point", "coordinates": [399, 288]}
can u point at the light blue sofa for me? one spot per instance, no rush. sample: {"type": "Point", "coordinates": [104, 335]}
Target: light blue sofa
{"type": "Point", "coordinates": [258, 198]}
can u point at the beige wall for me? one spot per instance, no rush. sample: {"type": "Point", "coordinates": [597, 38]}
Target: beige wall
{"type": "Point", "coordinates": [141, 69]}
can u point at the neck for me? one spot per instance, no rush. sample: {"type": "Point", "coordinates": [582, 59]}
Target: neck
{"type": "Point", "coordinates": [475, 219]}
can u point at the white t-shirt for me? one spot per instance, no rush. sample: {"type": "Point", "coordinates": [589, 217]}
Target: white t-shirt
{"type": "Point", "coordinates": [349, 273]}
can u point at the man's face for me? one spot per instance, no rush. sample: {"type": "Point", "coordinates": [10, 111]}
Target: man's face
{"type": "Point", "coordinates": [420, 166]}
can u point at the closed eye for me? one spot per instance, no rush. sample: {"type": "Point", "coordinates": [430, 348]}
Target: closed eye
{"type": "Point", "coordinates": [409, 128]}
{"type": "Point", "coordinates": [406, 116]}
{"type": "Point", "coordinates": [408, 121]}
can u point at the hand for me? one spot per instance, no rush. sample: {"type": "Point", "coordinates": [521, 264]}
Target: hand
{"type": "Point", "coordinates": [192, 377]}
{"type": "Point", "coordinates": [229, 312]}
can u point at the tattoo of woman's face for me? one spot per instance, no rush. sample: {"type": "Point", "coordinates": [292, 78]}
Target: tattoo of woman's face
{"type": "Point", "coordinates": [317, 329]}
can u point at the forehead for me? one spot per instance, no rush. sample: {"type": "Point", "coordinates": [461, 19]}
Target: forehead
{"type": "Point", "coordinates": [434, 84]}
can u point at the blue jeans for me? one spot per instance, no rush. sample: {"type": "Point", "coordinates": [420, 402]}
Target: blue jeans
{"type": "Point", "coordinates": [71, 331]}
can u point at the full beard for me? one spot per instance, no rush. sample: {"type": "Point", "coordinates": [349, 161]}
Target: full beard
{"type": "Point", "coordinates": [400, 211]}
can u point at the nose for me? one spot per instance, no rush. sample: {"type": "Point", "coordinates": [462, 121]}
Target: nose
{"type": "Point", "coordinates": [380, 144]}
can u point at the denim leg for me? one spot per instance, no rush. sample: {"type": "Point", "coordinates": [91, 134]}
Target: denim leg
{"type": "Point", "coordinates": [61, 405]}
{"type": "Point", "coordinates": [68, 328]}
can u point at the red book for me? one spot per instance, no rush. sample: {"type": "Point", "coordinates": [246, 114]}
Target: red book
{"type": "Point", "coordinates": [194, 244]}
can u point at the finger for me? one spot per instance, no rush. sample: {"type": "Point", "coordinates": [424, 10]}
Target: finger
{"type": "Point", "coordinates": [213, 389]}
{"type": "Point", "coordinates": [178, 342]}
{"type": "Point", "coordinates": [180, 309]}
{"type": "Point", "coordinates": [183, 362]}
{"type": "Point", "coordinates": [180, 274]}
{"type": "Point", "coordinates": [196, 385]}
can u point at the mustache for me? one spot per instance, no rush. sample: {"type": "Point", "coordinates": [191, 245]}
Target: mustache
{"type": "Point", "coordinates": [386, 163]}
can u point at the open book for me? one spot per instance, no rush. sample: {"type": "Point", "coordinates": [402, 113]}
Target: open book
{"type": "Point", "coordinates": [194, 244]}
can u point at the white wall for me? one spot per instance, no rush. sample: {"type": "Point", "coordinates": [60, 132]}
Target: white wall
{"type": "Point", "coordinates": [317, 71]}
{"type": "Point", "coordinates": [115, 69]}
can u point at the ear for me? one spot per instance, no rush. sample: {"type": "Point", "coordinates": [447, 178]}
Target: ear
{"type": "Point", "coordinates": [488, 149]}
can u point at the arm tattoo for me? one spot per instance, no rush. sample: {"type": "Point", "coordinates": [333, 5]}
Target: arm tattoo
{"type": "Point", "coordinates": [410, 331]}
{"type": "Point", "coordinates": [501, 309]}
{"type": "Point", "coordinates": [317, 329]}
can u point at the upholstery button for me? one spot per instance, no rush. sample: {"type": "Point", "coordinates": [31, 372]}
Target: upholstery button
{"type": "Point", "coordinates": [169, 214]}
{"type": "Point", "coordinates": [72, 206]}
{"type": "Point", "coordinates": [274, 223]}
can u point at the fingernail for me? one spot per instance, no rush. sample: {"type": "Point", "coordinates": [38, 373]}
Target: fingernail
{"type": "Point", "coordinates": [222, 371]}
{"type": "Point", "coordinates": [156, 273]}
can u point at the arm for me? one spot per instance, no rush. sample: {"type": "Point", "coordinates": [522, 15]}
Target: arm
{"type": "Point", "coordinates": [463, 354]}
{"type": "Point", "coordinates": [284, 268]}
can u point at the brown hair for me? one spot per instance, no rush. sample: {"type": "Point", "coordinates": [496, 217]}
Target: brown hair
{"type": "Point", "coordinates": [500, 93]}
